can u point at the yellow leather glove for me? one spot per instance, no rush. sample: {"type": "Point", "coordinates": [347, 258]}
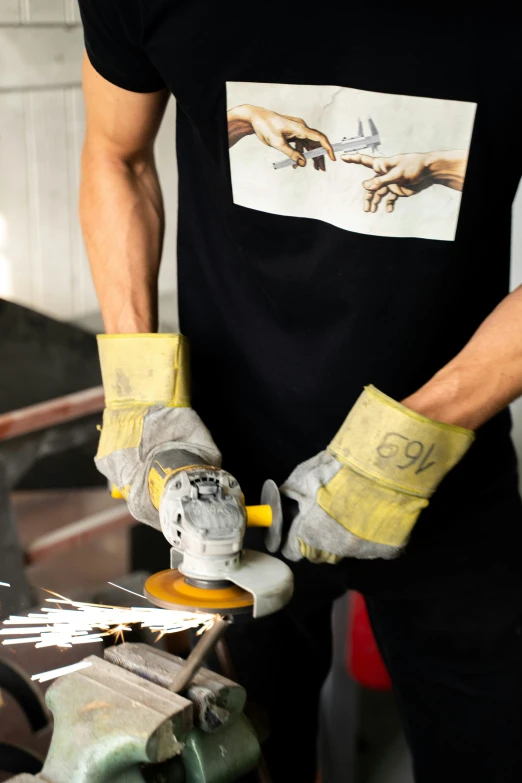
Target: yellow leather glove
{"type": "Point", "coordinates": [146, 384]}
{"type": "Point", "coordinates": [363, 495]}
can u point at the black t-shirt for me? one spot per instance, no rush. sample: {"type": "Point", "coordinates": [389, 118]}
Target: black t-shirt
{"type": "Point", "coordinates": [297, 286]}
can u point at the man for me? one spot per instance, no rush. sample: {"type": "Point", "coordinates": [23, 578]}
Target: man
{"type": "Point", "coordinates": [297, 289]}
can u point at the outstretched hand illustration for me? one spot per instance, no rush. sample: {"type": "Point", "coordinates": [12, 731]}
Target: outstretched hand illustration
{"type": "Point", "coordinates": [405, 175]}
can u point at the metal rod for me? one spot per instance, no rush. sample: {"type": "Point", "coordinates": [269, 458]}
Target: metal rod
{"type": "Point", "coordinates": [262, 772]}
{"type": "Point", "coordinates": [52, 412]}
{"type": "Point", "coordinates": [225, 661]}
{"type": "Point", "coordinates": [197, 657]}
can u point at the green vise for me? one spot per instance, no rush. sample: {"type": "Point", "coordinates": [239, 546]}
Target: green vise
{"type": "Point", "coordinates": [116, 721]}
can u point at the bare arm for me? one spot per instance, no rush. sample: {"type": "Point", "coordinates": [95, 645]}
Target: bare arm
{"type": "Point", "coordinates": [484, 377]}
{"type": "Point", "coordinates": [121, 206]}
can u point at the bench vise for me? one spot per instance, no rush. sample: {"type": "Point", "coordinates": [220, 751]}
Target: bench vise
{"type": "Point", "coordinates": [119, 720]}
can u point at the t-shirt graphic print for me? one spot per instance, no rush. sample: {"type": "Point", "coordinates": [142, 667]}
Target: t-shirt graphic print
{"type": "Point", "coordinates": [373, 163]}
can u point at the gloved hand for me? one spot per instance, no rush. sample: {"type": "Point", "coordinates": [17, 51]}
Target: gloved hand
{"type": "Point", "coordinates": [362, 496]}
{"type": "Point", "coordinates": [146, 384]}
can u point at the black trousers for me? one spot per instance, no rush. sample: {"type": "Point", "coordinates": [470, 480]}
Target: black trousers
{"type": "Point", "coordinates": [447, 617]}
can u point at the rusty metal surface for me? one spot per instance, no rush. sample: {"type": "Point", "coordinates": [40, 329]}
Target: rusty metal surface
{"type": "Point", "coordinates": [20, 595]}
{"type": "Point", "coordinates": [48, 414]}
{"type": "Point", "coordinates": [215, 697]}
{"type": "Point", "coordinates": [203, 648]}
{"type": "Point", "coordinates": [49, 377]}
{"type": "Point", "coordinates": [17, 456]}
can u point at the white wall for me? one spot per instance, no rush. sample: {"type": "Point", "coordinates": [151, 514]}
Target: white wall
{"type": "Point", "coordinates": [42, 258]}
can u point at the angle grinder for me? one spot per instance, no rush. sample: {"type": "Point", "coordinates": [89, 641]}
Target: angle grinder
{"type": "Point", "coordinates": [204, 518]}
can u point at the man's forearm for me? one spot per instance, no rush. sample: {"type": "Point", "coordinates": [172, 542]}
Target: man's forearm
{"type": "Point", "coordinates": [121, 211]}
{"type": "Point", "coordinates": [484, 377]}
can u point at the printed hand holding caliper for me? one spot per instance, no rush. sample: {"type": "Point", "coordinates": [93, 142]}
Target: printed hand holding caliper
{"type": "Point", "coordinates": [277, 130]}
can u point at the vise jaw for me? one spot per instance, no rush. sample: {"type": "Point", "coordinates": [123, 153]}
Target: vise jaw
{"type": "Point", "coordinates": [117, 721]}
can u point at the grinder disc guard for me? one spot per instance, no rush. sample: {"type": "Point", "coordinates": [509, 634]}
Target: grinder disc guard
{"type": "Point", "coordinates": [261, 585]}
{"type": "Point", "coordinates": [170, 590]}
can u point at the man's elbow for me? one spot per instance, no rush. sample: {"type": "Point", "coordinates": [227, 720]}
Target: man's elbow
{"type": "Point", "coordinates": [104, 156]}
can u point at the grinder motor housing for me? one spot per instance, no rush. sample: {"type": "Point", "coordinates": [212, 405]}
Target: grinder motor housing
{"type": "Point", "coordinates": [204, 518]}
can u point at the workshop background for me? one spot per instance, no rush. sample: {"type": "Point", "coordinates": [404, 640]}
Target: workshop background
{"type": "Point", "coordinates": [43, 266]}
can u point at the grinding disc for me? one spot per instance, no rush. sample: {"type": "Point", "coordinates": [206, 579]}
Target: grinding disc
{"type": "Point", "coordinates": [170, 590]}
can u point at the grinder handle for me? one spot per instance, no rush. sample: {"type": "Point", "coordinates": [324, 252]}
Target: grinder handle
{"type": "Point", "coordinates": [259, 516]}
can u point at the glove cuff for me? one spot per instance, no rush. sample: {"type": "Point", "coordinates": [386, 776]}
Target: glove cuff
{"type": "Point", "coordinates": [145, 369]}
{"type": "Point", "coordinates": [398, 447]}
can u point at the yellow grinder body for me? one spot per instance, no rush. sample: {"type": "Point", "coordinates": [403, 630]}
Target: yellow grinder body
{"type": "Point", "coordinates": [204, 518]}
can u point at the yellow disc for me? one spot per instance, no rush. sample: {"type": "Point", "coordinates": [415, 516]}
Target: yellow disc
{"type": "Point", "coordinates": [170, 590]}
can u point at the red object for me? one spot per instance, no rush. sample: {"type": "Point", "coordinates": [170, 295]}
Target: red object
{"type": "Point", "coordinates": [363, 659]}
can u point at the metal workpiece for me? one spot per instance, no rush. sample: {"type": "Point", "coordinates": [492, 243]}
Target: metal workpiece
{"type": "Point", "coordinates": [223, 746]}
{"type": "Point", "coordinates": [198, 655]}
{"type": "Point", "coordinates": [215, 698]}
{"type": "Point", "coordinates": [49, 413]}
